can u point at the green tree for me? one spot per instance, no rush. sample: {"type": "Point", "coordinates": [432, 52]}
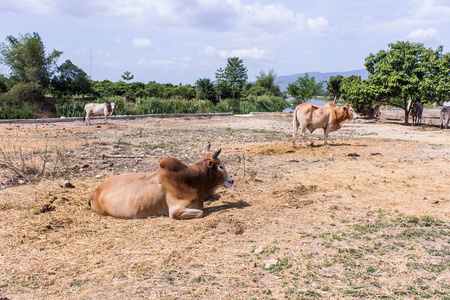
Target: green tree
{"type": "Point", "coordinates": [70, 80]}
{"type": "Point", "coordinates": [435, 86]}
{"type": "Point", "coordinates": [26, 59]}
{"type": "Point", "coordinates": [127, 76]}
{"type": "Point", "coordinates": [405, 73]}
{"type": "Point", "coordinates": [5, 84]}
{"type": "Point", "coordinates": [267, 82]}
{"type": "Point", "coordinates": [221, 86]}
{"type": "Point", "coordinates": [235, 74]}
{"type": "Point", "coordinates": [304, 88]}
{"type": "Point", "coordinates": [334, 87]}
{"type": "Point", "coordinates": [204, 88]}
{"type": "Point", "coordinates": [364, 96]}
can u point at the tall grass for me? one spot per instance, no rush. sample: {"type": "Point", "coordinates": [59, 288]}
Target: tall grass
{"type": "Point", "coordinates": [12, 108]}
{"type": "Point", "coordinates": [69, 108]}
{"type": "Point", "coordinates": [143, 106]}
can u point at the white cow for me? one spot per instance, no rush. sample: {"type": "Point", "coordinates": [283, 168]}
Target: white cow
{"type": "Point", "coordinates": [95, 109]}
{"type": "Point", "coordinates": [445, 116]}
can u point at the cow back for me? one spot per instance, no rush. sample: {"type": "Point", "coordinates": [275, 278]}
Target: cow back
{"type": "Point", "coordinates": [172, 164]}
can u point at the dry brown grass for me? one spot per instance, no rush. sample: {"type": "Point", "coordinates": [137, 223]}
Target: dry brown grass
{"type": "Point", "coordinates": [374, 225]}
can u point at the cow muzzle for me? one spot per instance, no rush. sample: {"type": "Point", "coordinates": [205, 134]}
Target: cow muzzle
{"type": "Point", "coordinates": [228, 183]}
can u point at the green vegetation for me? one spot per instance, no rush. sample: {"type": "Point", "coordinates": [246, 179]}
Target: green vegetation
{"type": "Point", "coordinates": [12, 108]}
{"type": "Point", "coordinates": [142, 106]}
{"type": "Point", "coordinates": [304, 88]}
{"type": "Point", "coordinates": [401, 76]}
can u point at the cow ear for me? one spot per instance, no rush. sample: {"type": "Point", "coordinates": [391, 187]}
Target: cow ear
{"type": "Point", "coordinates": [210, 164]}
{"type": "Point", "coordinates": [216, 153]}
{"type": "Point", "coordinates": [345, 107]}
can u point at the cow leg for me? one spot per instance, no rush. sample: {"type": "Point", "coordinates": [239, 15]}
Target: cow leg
{"type": "Point", "coordinates": [303, 134]}
{"type": "Point", "coordinates": [294, 137]}
{"type": "Point", "coordinates": [325, 135]}
{"type": "Point", "coordinates": [183, 213]}
{"type": "Point", "coordinates": [88, 119]}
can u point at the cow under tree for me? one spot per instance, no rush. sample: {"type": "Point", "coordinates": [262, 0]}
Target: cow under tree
{"type": "Point", "coordinates": [329, 117]}
{"type": "Point", "coordinates": [416, 113]}
{"type": "Point", "coordinates": [175, 189]}
{"type": "Point", "coordinates": [96, 109]}
{"type": "Point", "coordinates": [445, 116]}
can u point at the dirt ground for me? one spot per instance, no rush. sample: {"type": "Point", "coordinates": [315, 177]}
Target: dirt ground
{"type": "Point", "coordinates": [365, 217]}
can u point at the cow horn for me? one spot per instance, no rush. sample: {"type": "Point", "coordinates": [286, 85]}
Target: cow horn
{"type": "Point", "coordinates": [216, 153]}
{"type": "Point", "coordinates": [208, 146]}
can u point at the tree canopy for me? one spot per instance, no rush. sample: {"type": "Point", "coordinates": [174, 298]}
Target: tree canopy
{"type": "Point", "coordinates": [127, 76]}
{"type": "Point", "coordinates": [334, 87]}
{"type": "Point", "coordinates": [70, 80]}
{"type": "Point", "coordinates": [408, 73]}
{"type": "Point", "coordinates": [235, 74]}
{"type": "Point", "coordinates": [25, 56]}
{"type": "Point", "coordinates": [304, 88]}
{"type": "Point", "coordinates": [267, 82]}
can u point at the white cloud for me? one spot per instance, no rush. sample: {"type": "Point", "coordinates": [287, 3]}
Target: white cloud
{"type": "Point", "coordinates": [142, 43]}
{"type": "Point", "coordinates": [102, 53]}
{"type": "Point", "coordinates": [430, 10]}
{"type": "Point", "coordinates": [424, 35]}
{"type": "Point", "coordinates": [253, 54]}
{"type": "Point", "coordinates": [173, 63]}
{"type": "Point", "coordinates": [208, 15]}
{"type": "Point", "coordinates": [319, 23]}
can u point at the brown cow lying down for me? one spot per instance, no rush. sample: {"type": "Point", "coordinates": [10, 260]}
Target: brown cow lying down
{"type": "Point", "coordinates": [329, 117]}
{"type": "Point", "coordinates": [175, 189]}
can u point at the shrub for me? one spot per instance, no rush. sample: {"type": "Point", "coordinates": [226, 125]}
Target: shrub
{"type": "Point", "coordinates": [12, 108]}
{"type": "Point", "coordinates": [27, 92]}
{"type": "Point", "coordinates": [69, 108]}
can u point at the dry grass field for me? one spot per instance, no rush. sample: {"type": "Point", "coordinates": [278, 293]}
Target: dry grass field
{"type": "Point", "coordinates": [367, 216]}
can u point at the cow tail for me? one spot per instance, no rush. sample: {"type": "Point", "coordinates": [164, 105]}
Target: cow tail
{"type": "Point", "coordinates": [295, 121]}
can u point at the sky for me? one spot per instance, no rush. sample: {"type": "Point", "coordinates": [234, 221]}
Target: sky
{"type": "Point", "coordinates": [181, 41]}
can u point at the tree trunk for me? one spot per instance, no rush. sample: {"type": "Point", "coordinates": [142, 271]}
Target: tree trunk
{"type": "Point", "coordinates": [336, 99]}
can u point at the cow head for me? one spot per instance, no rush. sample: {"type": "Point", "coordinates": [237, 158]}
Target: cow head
{"type": "Point", "coordinates": [350, 112]}
{"type": "Point", "coordinates": [217, 167]}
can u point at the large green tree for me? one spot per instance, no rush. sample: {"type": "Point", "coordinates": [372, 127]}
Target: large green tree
{"type": "Point", "coordinates": [334, 87]}
{"type": "Point", "coordinates": [235, 73]}
{"type": "Point", "coordinates": [70, 80]}
{"type": "Point", "coordinates": [304, 88]}
{"type": "Point", "coordinates": [267, 82]}
{"type": "Point", "coordinates": [204, 90]}
{"type": "Point", "coordinates": [364, 96]}
{"type": "Point", "coordinates": [127, 76]}
{"type": "Point", "coordinates": [26, 59]}
{"type": "Point", "coordinates": [221, 86]}
{"type": "Point", "coordinates": [408, 73]}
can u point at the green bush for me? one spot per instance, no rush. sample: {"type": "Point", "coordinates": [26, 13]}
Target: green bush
{"type": "Point", "coordinates": [69, 108]}
{"type": "Point", "coordinates": [259, 104]}
{"type": "Point", "coordinates": [27, 92]}
{"type": "Point", "coordinates": [145, 106]}
{"type": "Point", "coordinates": [12, 108]}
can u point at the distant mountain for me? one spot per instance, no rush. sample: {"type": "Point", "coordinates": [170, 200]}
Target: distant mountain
{"type": "Point", "coordinates": [283, 81]}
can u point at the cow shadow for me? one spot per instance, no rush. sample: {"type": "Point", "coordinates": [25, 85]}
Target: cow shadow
{"type": "Point", "coordinates": [332, 144]}
{"type": "Point", "coordinates": [227, 205]}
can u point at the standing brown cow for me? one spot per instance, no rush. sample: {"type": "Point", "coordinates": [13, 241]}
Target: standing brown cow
{"type": "Point", "coordinates": [329, 117]}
